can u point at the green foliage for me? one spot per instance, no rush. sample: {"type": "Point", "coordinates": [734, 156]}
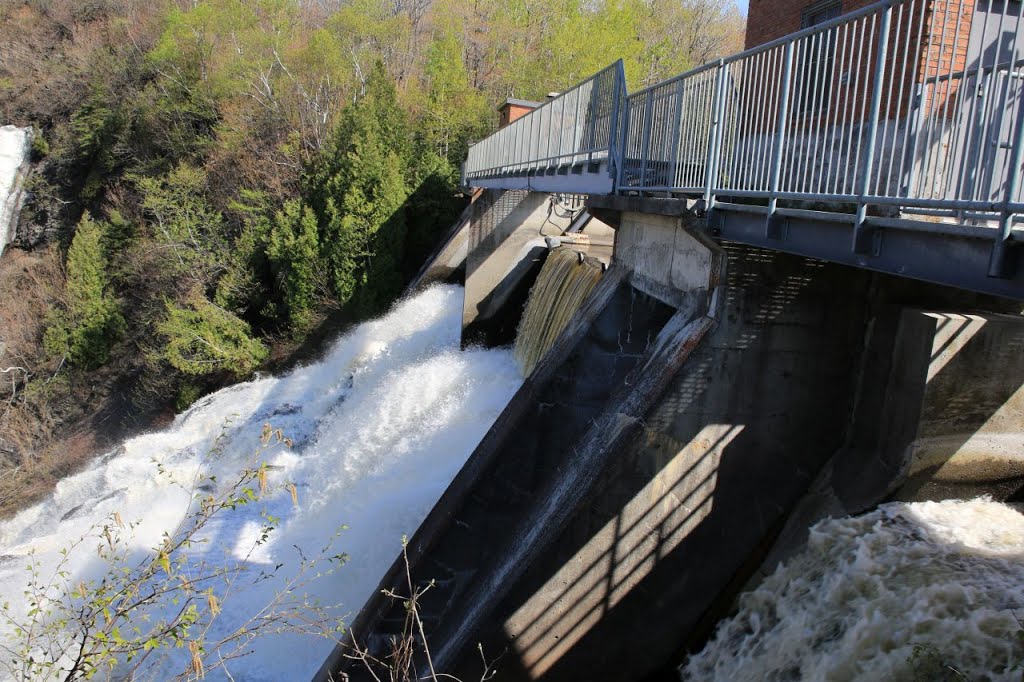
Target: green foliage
{"type": "Point", "coordinates": [241, 287]}
{"type": "Point", "coordinates": [454, 111]}
{"type": "Point", "coordinates": [431, 209]}
{"type": "Point", "coordinates": [118, 235]}
{"type": "Point", "coordinates": [91, 321]}
{"type": "Point", "coordinates": [294, 252]}
{"type": "Point", "coordinates": [184, 221]}
{"type": "Point", "coordinates": [368, 32]}
{"type": "Point", "coordinates": [204, 339]}
{"type": "Point", "coordinates": [96, 127]}
{"type": "Point", "coordinates": [40, 147]}
{"type": "Point", "coordinates": [261, 162]}
{"type": "Point", "coordinates": [188, 393]}
{"type": "Point", "coordinates": [359, 189]}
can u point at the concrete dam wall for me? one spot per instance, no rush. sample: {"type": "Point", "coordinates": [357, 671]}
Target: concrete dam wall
{"type": "Point", "coordinates": [685, 417]}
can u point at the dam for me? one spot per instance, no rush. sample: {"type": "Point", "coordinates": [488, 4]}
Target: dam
{"type": "Point", "coordinates": [743, 304]}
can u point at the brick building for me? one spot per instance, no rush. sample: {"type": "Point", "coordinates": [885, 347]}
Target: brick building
{"type": "Point", "coordinates": [942, 39]}
{"type": "Point", "coordinates": [514, 109]}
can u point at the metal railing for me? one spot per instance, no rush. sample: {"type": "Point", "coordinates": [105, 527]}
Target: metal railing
{"type": "Point", "coordinates": [578, 127]}
{"type": "Point", "coordinates": [904, 106]}
{"type": "Point", "coordinates": [915, 105]}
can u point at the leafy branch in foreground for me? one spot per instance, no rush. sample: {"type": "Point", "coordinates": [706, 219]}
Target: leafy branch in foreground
{"type": "Point", "coordinates": [408, 657]}
{"type": "Point", "coordinates": [128, 622]}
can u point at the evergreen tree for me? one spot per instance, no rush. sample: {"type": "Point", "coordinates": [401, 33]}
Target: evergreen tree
{"type": "Point", "coordinates": [242, 287]}
{"type": "Point", "coordinates": [84, 331]}
{"type": "Point", "coordinates": [359, 189]}
{"type": "Point", "coordinates": [204, 339]}
{"type": "Point", "coordinates": [184, 221]}
{"type": "Point", "coordinates": [431, 209]}
{"type": "Point", "coordinates": [294, 252]}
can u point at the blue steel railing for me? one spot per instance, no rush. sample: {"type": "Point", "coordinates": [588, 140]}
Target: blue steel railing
{"type": "Point", "coordinates": [913, 106]}
{"type": "Point", "coordinates": [578, 127]}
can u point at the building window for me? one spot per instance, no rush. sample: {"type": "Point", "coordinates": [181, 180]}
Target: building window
{"type": "Point", "coordinates": [816, 58]}
{"type": "Point", "coordinates": [820, 12]}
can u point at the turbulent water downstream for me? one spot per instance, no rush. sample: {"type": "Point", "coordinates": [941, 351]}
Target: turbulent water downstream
{"type": "Point", "coordinates": [925, 591]}
{"type": "Point", "coordinates": [378, 428]}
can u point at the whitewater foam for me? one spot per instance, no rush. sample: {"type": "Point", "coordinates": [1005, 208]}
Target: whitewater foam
{"type": "Point", "coordinates": [907, 592]}
{"type": "Point", "coordinates": [379, 427]}
{"type": "Point", "coordinates": [15, 144]}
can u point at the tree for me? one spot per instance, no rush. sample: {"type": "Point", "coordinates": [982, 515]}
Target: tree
{"type": "Point", "coordinates": [454, 111]}
{"type": "Point", "coordinates": [243, 286]}
{"type": "Point", "coordinates": [204, 339]}
{"type": "Point", "coordinates": [358, 190]}
{"type": "Point", "coordinates": [184, 222]}
{"type": "Point", "coordinates": [91, 320]}
{"type": "Point", "coordinates": [294, 253]}
{"type": "Point", "coordinates": [370, 33]}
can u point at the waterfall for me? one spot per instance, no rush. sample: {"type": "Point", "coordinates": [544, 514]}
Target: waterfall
{"type": "Point", "coordinates": [906, 592]}
{"type": "Point", "coordinates": [562, 286]}
{"type": "Point", "coordinates": [377, 429]}
{"type": "Point", "coordinates": [15, 147]}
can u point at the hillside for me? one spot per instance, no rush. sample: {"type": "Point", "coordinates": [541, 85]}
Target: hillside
{"type": "Point", "coordinates": [218, 186]}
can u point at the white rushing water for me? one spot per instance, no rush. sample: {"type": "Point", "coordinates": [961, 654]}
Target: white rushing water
{"type": "Point", "coordinates": [907, 592]}
{"type": "Point", "coordinates": [379, 428]}
{"type": "Point", "coordinates": [15, 146]}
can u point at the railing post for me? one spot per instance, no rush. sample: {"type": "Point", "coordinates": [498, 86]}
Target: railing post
{"type": "Point", "coordinates": [974, 154]}
{"type": "Point", "coordinates": [503, 150]}
{"type": "Point", "coordinates": [590, 129]}
{"type": "Point", "coordinates": [531, 142]}
{"type": "Point", "coordinates": [645, 143]}
{"type": "Point", "coordinates": [614, 150]}
{"type": "Point", "coordinates": [677, 126]}
{"type": "Point", "coordinates": [559, 124]}
{"type": "Point", "coordinates": [549, 113]}
{"type": "Point", "coordinates": [915, 121]}
{"type": "Point", "coordinates": [863, 237]}
{"type": "Point", "coordinates": [714, 138]}
{"type": "Point", "coordinates": [1000, 263]}
{"type": "Point", "coordinates": [623, 144]}
{"type": "Point", "coordinates": [773, 226]}
{"type": "Point", "coordinates": [576, 130]}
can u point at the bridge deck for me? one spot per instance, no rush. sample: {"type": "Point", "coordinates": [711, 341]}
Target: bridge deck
{"type": "Point", "coordinates": [869, 140]}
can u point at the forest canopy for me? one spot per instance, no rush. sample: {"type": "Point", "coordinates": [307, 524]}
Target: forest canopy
{"type": "Point", "coordinates": [223, 175]}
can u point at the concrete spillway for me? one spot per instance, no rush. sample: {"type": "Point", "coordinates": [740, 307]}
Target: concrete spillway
{"type": "Point", "coordinates": [702, 407]}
